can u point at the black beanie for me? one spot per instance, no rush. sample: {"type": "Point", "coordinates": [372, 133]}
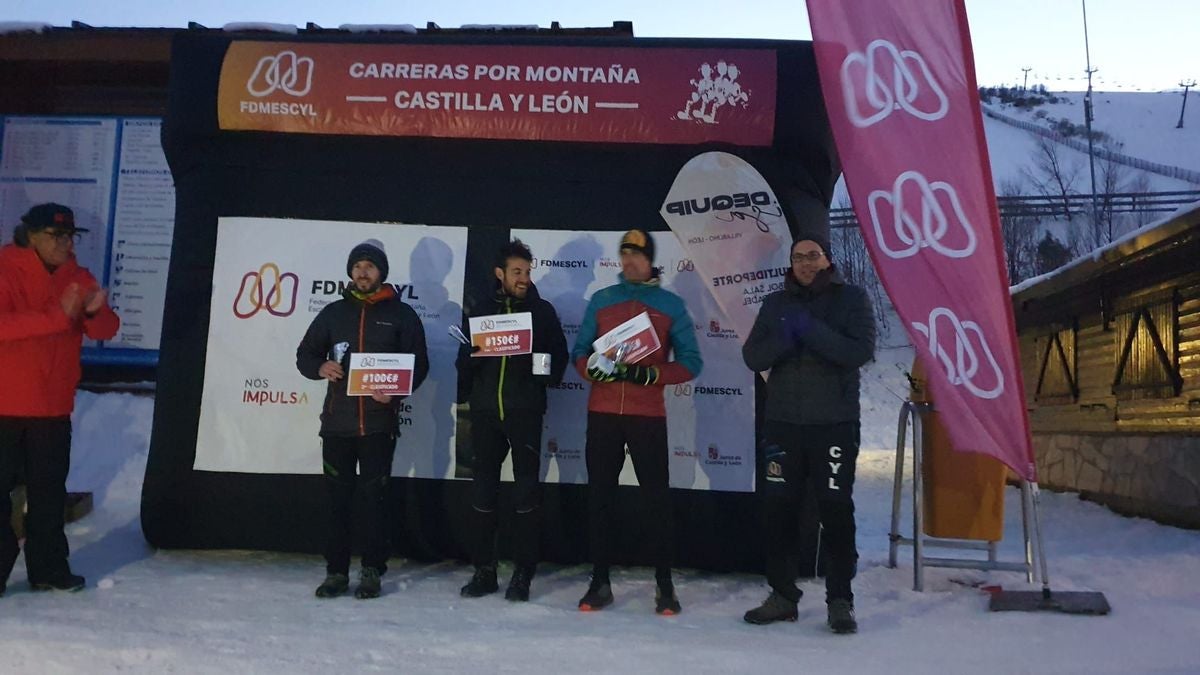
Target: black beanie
{"type": "Point", "coordinates": [639, 240]}
{"type": "Point", "coordinates": [820, 238]}
{"type": "Point", "coordinates": [372, 250]}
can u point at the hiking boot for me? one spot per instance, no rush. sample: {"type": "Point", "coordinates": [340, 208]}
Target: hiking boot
{"type": "Point", "coordinates": [333, 586]}
{"type": "Point", "coordinates": [841, 616]}
{"type": "Point", "coordinates": [64, 581]}
{"type": "Point", "coordinates": [482, 583]}
{"type": "Point", "coordinates": [369, 585]}
{"type": "Point", "coordinates": [599, 595]}
{"type": "Point", "coordinates": [8, 558]}
{"type": "Point", "coordinates": [774, 608]}
{"type": "Point", "coordinates": [518, 586]}
{"type": "Point", "coordinates": [665, 601]}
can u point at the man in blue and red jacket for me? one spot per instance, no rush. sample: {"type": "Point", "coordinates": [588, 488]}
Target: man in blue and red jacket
{"type": "Point", "coordinates": [626, 408]}
{"type": "Point", "coordinates": [47, 304]}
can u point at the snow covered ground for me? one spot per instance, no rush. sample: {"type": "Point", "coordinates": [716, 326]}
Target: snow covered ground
{"type": "Point", "coordinates": [243, 611]}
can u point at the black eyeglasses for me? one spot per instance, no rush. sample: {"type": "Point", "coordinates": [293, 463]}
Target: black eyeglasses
{"type": "Point", "coordinates": [64, 237]}
{"type": "Point", "coordinates": [807, 257]}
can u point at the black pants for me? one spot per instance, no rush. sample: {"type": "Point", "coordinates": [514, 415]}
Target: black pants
{"type": "Point", "coordinates": [373, 455]}
{"type": "Point", "coordinates": [491, 439]}
{"type": "Point", "coordinates": [820, 458]}
{"type": "Point", "coordinates": [607, 437]}
{"type": "Point", "coordinates": [40, 449]}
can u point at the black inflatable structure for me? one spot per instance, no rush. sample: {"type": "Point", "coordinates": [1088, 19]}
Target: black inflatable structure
{"type": "Point", "coordinates": [486, 185]}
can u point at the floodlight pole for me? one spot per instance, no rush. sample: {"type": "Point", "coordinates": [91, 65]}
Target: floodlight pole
{"type": "Point", "coordinates": [1087, 121]}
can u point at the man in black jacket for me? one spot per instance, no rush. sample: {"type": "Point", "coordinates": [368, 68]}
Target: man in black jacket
{"type": "Point", "coordinates": [813, 336]}
{"type": "Point", "coordinates": [507, 396]}
{"type": "Point", "coordinates": [359, 430]}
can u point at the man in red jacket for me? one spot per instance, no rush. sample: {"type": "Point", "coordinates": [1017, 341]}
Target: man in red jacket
{"type": "Point", "coordinates": [47, 304]}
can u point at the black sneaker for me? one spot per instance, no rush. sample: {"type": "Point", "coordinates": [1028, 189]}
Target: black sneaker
{"type": "Point", "coordinates": [518, 586]}
{"type": "Point", "coordinates": [599, 595]}
{"type": "Point", "coordinates": [369, 585]}
{"type": "Point", "coordinates": [665, 601]}
{"type": "Point", "coordinates": [482, 583]}
{"type": "Point", "coordinates": [841, 616]}
{"type": "Point", "coordinates": [61, 582]}
{"type": "Point", "coordinates": [774, 608]}
{"type": "Point", "coordinates": [333, 586]}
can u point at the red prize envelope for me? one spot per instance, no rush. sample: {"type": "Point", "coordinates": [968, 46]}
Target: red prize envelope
{"type": "Point", "coordinates": [638, 332]}
{"type": "Point", "coordinates": [390, 374]}
{"type": "Point", "coordinates": [502, 334]}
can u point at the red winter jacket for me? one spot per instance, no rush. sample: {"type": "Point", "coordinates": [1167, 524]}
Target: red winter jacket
{"type": "Point", "coordinates": [39, 345]}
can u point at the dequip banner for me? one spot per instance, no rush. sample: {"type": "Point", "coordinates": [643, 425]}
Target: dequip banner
{"type": "Point", "coordinates": [733, 230]}
{"type": "Point", "coordinates": [710, 420]}
{"type": "Point", "coordinates": [900, 90]}
{"type": "Point", "coordinates": [547, 93]}
{"type": "Point", "coordinates": [270, 279]}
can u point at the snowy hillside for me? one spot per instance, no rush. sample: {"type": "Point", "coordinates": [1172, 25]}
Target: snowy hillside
{"type": "Point", "coordinates": [251, 612]}
{"type": "Point", "coordinates": [1143, 124]}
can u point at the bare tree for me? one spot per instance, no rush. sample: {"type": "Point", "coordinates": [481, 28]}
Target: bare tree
{"type": "Point", "coordinates": [1114, 177]}
{"type": "Point", "coordinates": [849, 252]}
{"type": "Point", "coordinates": [1140, 185]}
{"type": "Point", "coordinates": [1054, 175]}
{"type": "Point", "coordinates": [1018, 227]}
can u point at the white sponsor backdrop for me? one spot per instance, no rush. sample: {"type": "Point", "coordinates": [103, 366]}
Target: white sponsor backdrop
{"type": "Point", "coordinates": [258, 414]}
{"type": "Point", "coordinates": [710, 420]}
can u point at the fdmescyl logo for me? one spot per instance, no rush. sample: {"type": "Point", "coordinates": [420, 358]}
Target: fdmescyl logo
{"type": "Point", "coordinates": [687, 389]}
{"type": "Point", "coordinates": [254, 295]}
{"type": "Point", "coordinates": [553, 262]}
{"type": "Point", "coordinates": [338, 287]}
{"type": "Point", "coordinates": [284, 72]}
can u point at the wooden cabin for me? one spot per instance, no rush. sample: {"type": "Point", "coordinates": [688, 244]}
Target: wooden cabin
{"type": "Point", "coordinates": [1110, 351]}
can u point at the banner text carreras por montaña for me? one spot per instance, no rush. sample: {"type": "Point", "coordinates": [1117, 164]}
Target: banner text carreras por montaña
{"type": "Point", "coordinates": [585, 94]}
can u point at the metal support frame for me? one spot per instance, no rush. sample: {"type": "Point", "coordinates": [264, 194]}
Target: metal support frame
{"type": "Point", "coordinates": [917, 411]}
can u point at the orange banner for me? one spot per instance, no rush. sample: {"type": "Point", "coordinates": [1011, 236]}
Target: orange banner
{"type": "Point", "coordinates": [584, 94]}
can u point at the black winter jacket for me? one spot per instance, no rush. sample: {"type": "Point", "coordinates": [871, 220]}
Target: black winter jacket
{"type": "Point", "coordinates": [500, 384]}
{"type": "Point", "coordinates": [815, 380]}
{"type": "Point", "coordinates": [382, 324]}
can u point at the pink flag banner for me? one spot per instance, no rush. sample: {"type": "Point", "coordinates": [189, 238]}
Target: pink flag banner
{"type": "Point", "coordinates": [899, 85]}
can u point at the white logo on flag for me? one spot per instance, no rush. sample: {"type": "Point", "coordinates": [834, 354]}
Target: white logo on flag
{"type": "Point", "coordinates": [962, 369]}
{"type": "Point", "coordinates": [930, 228]}
{"type": "Point", "coordinates": [904, 89]}
{"type": "Point", "coordinates": [282, 71]}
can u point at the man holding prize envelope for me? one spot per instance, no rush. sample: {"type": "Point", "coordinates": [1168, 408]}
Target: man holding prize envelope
{"type": "Point", "coordinates": [628, 332]}
{"type": "Point", "coordinates": [370, 347]}
{"type": "Point", "coordinates": [515, 351]}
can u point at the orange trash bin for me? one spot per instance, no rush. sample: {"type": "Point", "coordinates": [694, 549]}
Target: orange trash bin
{"type": "Point", "coordinates": [963, 492]}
